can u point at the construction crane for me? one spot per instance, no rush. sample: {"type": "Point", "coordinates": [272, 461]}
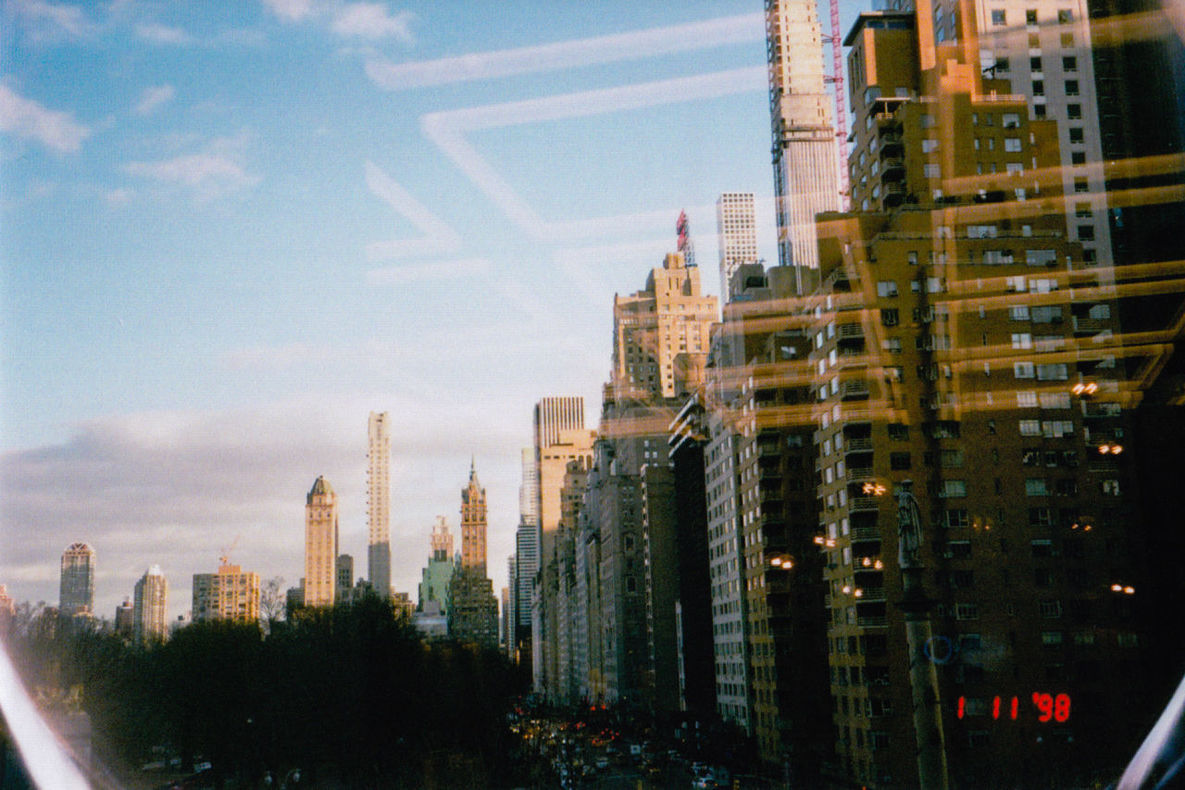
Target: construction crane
{"type": "Point", "coordinates": [224, 555]}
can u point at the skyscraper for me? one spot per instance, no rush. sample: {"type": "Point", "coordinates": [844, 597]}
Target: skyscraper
{"type": "Point", "coordinates": [378, 503]}
{"type": "Point", "coordinates": [150, 606]}
{"type": "Point", "coordinates": [229, 594]}
{"type": "Point", "coordinates": [526, 553]}
{"type": "Point", "coordinates": [77, 585]}
{"type": "Point", "coordinates": [661, 333]}
{"type": "Point", "coordinates": [320, 544]}
{"type": "Point", "coordinates": [473, 611]}
{"type": "Point", "coordinates": [736, 231]}
{"type": "Point", "coordinates": [805, 158]}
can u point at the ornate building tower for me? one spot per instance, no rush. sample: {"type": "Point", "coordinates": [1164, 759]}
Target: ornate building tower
{"type": "Point", "coordinates": [320, 544]}
{"type": "Point", "coordinates": [77, 588]}
{"type": "Point", "coordinates": [473, 613]}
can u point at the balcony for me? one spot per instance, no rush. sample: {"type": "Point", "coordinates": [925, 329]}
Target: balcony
{"type": "Point", "coordinates": [1091, 326]}
{"type": "Point", "coordinates": [872, 594]}
{"type": "Point", "coordinates": [865, 534]}
{"type": "Point", "coordinates": [850, 332]}
{"type": "Point", "coordinates": [854, 390]}
{"type": "Point", "coordinates": [872, 621]}
{"type": "Point", "coordinates": [863, 444]}
{"type": "Point", "coordinates": [893, 194]}
{"type": "Point", "coordinates": [894, 170]}
{"type": "Point", "coordinates": [859, 473]}
{"type": "Point", "coordinates": [862, 503]}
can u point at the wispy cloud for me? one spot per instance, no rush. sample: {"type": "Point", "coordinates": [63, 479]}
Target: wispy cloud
{"type": "Point", "coordinates": [26, 118]}
{"type": "Point", "coordinates": [373, 21]}
{"type": "Point", "coordinates": [157, 33]}
{"type": "Point", "coordinates": [51, 21]}
{"type": "Point", "coordinates": [438, 236]}
{"type": "Point", "coordinates": [568, 54]}
{"type": "Point", "coordinates": [290, 10]}
{"type": "Point", "coordinates": [367, 20]}
{"type": "Point", "coordinates": [154, 97]}
{"type": "Point", "coordinates": [118, 197]}
{"type": "Point", "coordinates": [437, 270]}
{"type": "Point", "coordinates": [210, 173]}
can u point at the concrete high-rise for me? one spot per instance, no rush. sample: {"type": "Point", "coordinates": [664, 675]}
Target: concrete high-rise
{"type": "Point", "coordinates": [229, 594]}
{"type": "Point", "coordinates": [343, 582]}
{"type": "Point", "coordinates": [661, 333]}
{"type": "Point", "coordinates": [473, 609]}
{"type": "Point", "coordinates": [150, 607]}
{"type": "Point", "coordinates": [526, 555]}
{"type": "Point", "coordinates": [805, 156]}
{"type": "Point", "coordinates": [736, 231]}
{"type": "Point", "coordinates": [76, 590]}
{"type": "Point", "coordinates": [320, 545]}
{"type": "Point", "coordinates": [378, 504]}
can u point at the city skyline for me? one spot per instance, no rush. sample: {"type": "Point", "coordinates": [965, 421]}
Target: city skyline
{"type": "Point", "coordinates": [167, 197]}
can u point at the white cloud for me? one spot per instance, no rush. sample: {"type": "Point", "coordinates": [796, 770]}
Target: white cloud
{"type": "Point", "coordinates": [153, 98]}
{"type": "Point", "coordinates": [568, 54]}
{"type": "Point", "coordinates": [52, 20]}
{"type": "Point", "coordinates": [29, 119]}
{"type": "Point", "coordinates": [163, 34]}
{"type": "Point", "coordinates": [175, 487]}
{"type": "Point", "coordinates": [372, 20]}
{"type": "Point", "coordinates": [437, 270]}
{"type": "Point", "coordinates": [210, 173]}
{"type": "Point", "coordinates": [194, 170]}
{"type": "Point", "coordinates": [290, 10]}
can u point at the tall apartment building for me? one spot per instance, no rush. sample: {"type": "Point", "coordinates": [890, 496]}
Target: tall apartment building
{"type": "Point", "coordinates": [736, 233]}
{"type": "Point", "coordinates": [805, 158]}
{"type": "Point", "coordinates": [526, 553]}
{"type": "Point", "coordinates": [320, 545]}
{"type": "Point", "coordinates": [150, 607]}
{"type": "Point", "coordinates": [560, 437]}
{"type": "Point", "coordinates": [963, 347]}
{"type": "Point", "coordinates": [76, 589]}
{"type": "Point", "coordinates": [473, 609]}
{"type": "Point", "coordinates": [343, 578]}
{"type": "Point", "coordinates": [661, 333]}
{"type": "Point", "coordinates": [229, 594]}
{"type": "Point", "coordinates": [378, 503]}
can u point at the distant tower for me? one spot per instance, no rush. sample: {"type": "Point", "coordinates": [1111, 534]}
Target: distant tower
{"type": "Point", "coordinates": [76, 593]}
{"type": "Point", "coordinates": [736, 229]}
{"type": "Point", "coordinates": [378, 501]}
{"type": "Point", "coordinates": [806, 177]}
{"type": "Point", "coordinates": [473, 524]}
{"type": "Point", "coordinates": [473, 609]}
{"type": "Point", "coordinates": [320, 544]}
{"type": "Point", "coordinates": [150, 620]}
{"type": "Point", "coordinates": [344, 578]}
{"type": "Point", "coordinates": [125, 619]}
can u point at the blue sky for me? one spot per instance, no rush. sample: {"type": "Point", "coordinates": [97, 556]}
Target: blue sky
{"type": "Point", "coordinates": [228, 231]}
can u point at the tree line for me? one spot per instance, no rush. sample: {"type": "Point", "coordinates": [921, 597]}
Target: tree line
{"type": "Point", "coordinates": [350, 695]}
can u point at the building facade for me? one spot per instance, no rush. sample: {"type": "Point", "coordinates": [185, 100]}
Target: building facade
{"type": "Point", "coordinates": [230, 594]}
{"type": "Point", "coordinates": [321, 541]}
{"type": "Point", "coordinates": [473, 609]}
{"type": "Point", "coordinates": [76, 591]}
{"type": "Point", "coordinates": [736, 232]}
{"type": "Point", "coordinates": [150, 607]}
{"type": "Point", "coordinates": [378, 503]}
{"type": "Point", "coordinates": [438, 573]}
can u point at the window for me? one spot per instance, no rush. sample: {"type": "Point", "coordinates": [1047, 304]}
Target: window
{"type": "Point", "coordinates": [1022, 370]}
{"type": "Point", "coordinates": [1052, 372]}
{"type": "Point", "coordinates": [1086, 232]}
{"type": "Point", "coordinates": [1038, 87]}
{"type": "Point", "coordinates": [998, 18]}
{"type": "Point", "coordinates": [1019, 312]}
{"type": "Point", "coordinates": [1031, 16]}
{"type": "Point", "coordinates": [929, 145]}
{"type": "Point", "coordinates": [886, 288]}
{"type": "Point", "coordinates": [1076, 135]}
{"type": "Point", "coordinates": [1065, 16]}
{"type": "Point", "coordinates": [966, 611]}
{"type": "Point", "coordinates": [1051, 638]}
{"type": "Point", "coordinates": [953, 488]}
{"type": "Point", "coordinates": [1071, 87]}
{"type": "Point", "coordinates": [892, 345]}
{"type": "Point", "coordinates": [899, 461]}
{"type": "Point", "coordinates": [1035, 63]}
{"type": "Point", "coordinates": [1069, 63]}
{"type": "Point", "coordinates": [1036, 486]}
{"type": "Point", "coordinates": [1080, 185]}
{"type": "Point", "coordinates": [890, 317]}
{"type": "Point", "coordinates": [932, 171]}
{"type": "Point", "coordinates": [1051, 610]}
{"type": "Point", "coordinates": [898, 431]}
{"type": "Point", "coordinates": [1077, 157]}
{"type": "Point", "coordinates": [1026, 399]}
{"type": "Point", "coordinates": [1022, 340]}
{"type": "Point", "coordinates": [1011, 120]}
{"type": "Point", "coordinates": [956, 518]}
{"type": "Point", "coordinates": [1030, 427]}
